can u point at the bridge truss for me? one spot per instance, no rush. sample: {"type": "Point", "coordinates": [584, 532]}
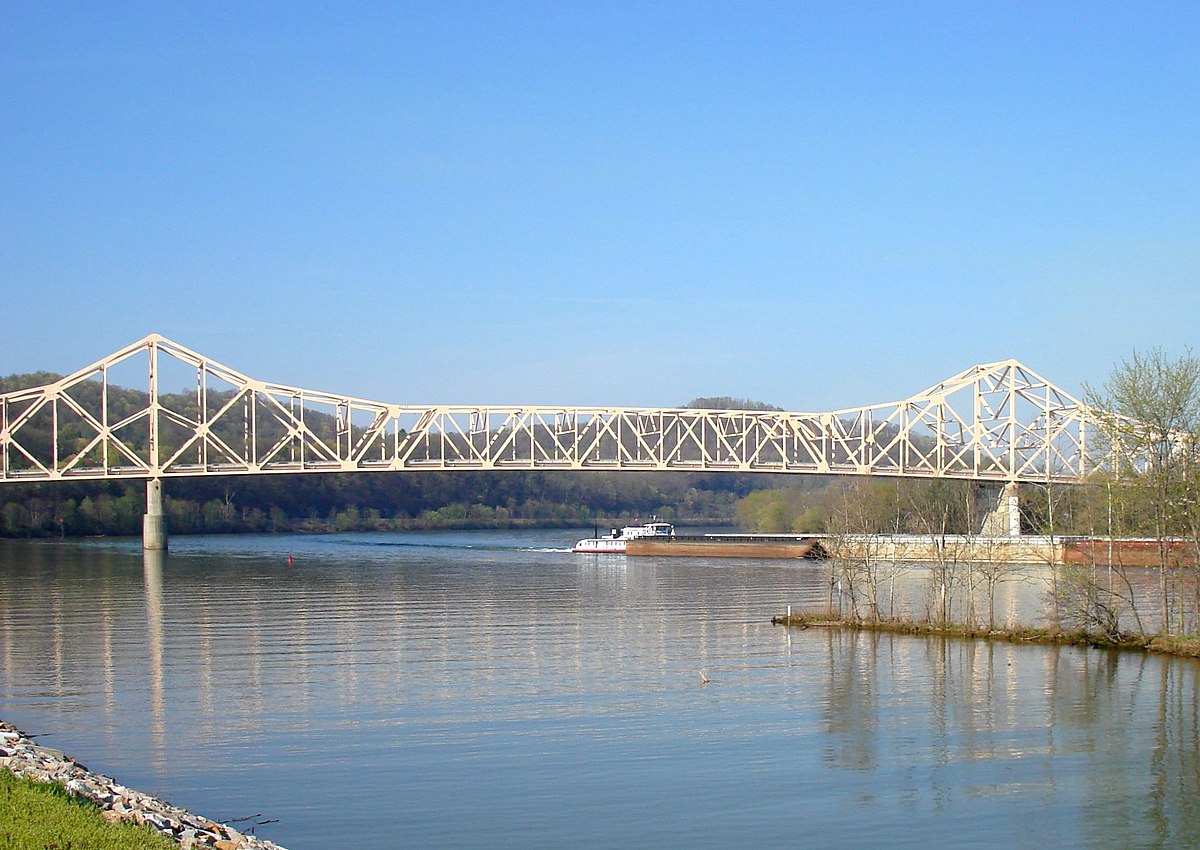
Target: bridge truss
{"type": "Point", "coordinates": [156, 409]}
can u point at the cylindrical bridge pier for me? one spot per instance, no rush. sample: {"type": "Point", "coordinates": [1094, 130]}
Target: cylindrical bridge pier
{"type": "Point", "coordinates": [154, 523]}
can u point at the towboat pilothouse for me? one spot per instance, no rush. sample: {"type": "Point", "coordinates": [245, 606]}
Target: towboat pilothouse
{"type": "Point", "coordinates": [615, 542]}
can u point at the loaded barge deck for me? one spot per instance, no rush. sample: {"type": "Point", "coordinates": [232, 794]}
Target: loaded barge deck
{"type": "Point", "coordinates": [1026, 549]}
{"type": "Point", "coordinates": [731, 546]}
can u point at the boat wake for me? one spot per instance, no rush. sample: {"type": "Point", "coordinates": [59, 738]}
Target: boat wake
{"type": "Point", "coordinates": [425, 544]}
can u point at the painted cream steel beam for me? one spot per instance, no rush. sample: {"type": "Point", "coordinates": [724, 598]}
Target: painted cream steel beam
{"type": "Point", "coordinates": [118, 419]}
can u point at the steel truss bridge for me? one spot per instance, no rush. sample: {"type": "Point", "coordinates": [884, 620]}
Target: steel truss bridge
{"type": "Point", "coordinates": [157, 410]}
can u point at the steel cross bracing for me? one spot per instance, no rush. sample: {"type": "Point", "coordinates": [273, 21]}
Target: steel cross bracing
{"type": "Point", "coordinates": [158, 410]}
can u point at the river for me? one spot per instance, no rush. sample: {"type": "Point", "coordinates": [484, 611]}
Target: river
{"type": "Point", "coordinates": [491, 689]}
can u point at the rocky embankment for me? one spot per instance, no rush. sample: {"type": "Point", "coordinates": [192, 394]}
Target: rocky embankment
{"type": "Point", "coordinates": [23, 757]}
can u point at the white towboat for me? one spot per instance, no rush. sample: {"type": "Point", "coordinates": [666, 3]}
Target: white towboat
{"type": "Point", "coordinates": [614, 543]}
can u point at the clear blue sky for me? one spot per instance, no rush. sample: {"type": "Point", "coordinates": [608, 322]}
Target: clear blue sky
{"type": "Point", "coordinates": [814, 205]}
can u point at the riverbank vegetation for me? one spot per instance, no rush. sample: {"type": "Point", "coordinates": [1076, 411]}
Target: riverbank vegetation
{"type": "Point", "coordinates": [36, 815]}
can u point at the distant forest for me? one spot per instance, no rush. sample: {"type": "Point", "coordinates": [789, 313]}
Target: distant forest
{"type": "Point", "coordinates": [383, 501]}
{"type": "Point", "coordinates": [316, 502]}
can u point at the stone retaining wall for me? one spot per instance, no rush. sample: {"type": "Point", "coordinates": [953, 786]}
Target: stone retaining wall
{"type": "Point", "coordinates": [23, 757]}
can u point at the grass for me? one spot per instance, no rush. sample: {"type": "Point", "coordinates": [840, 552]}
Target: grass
{"type": "Point", "coordinates": [1187, 646]}
{"type": "Point", "coordinates": [44, 816]}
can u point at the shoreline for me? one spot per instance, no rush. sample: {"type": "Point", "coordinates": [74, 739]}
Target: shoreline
{"type": "Point", "coordinates": [1174, 645]}
{"type": "Point", "coordinates": [23, 757]}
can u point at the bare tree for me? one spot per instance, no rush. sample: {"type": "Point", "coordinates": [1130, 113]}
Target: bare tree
{"type": "Point", "coordinates": [938, 510]}
{"type": "Point", "coordinates": [993, 567]}
{"type": "Point", "coordinates": [863, 511]}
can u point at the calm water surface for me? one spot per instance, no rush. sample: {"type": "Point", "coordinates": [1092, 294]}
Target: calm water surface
{"type": "Point", "coordinates": [491, 689]}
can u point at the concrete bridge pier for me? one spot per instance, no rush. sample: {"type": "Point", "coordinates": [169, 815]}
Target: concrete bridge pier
{"type": "Point", "coordinates": [154, 523]}
{"type": "Point", "coordinates": [1004, 520]}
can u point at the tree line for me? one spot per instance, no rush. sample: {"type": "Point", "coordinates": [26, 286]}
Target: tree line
{"type": "Point", "coordinates": [373, 502]}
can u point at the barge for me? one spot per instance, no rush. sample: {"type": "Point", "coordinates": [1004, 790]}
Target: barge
{"type": "Point", "coordinates": [731, 546]}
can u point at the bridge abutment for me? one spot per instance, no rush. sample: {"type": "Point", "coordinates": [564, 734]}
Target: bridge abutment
{"type": "Point", "coordinates": [154, 523]}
